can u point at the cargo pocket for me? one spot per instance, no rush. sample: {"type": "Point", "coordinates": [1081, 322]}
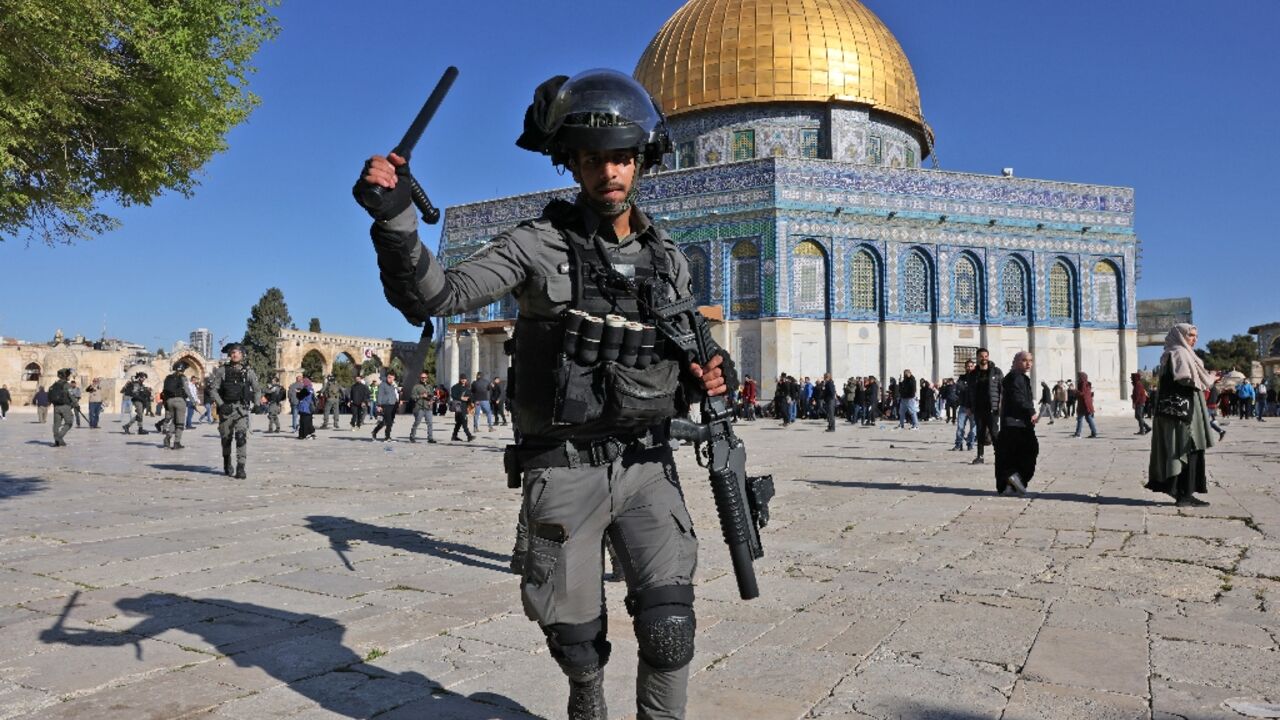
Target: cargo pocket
{"type": "Point", "coordinates": [579, 394]}
{"type": "Point", "coordinates": [688, 543]}
{"type": "Point", "coordinates": [540, 565]}
{"type": "Point", "coordinates": [640, 397]}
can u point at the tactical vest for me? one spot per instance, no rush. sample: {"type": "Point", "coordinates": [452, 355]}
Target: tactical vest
{"type": "Point", "coordinates": [175, 386]}
{"type": "Point", "coordinates": [537, 343]}
{"type": "Point", "coordinates": [235, 385]}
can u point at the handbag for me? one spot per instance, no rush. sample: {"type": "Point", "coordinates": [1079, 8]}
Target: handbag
{"type": "Point", "coordinates": [1173, 401]}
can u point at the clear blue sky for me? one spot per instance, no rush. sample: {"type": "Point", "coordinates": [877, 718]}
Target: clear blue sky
{"type": "Point", "coordinates": [1175, 98]}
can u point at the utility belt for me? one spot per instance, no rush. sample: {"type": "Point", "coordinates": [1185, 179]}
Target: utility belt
{"type": "Point", "coordinates": [533, 454]}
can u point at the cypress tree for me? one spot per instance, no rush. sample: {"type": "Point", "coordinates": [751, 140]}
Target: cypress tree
{"type": "Point", "coordinates": [262, 333]}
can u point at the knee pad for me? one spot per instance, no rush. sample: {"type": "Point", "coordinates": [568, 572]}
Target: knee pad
{"type": "Point", "coordinates": [579, 648]}
{"type": "Point", "coordinates": [241, 438]}
{"type": "Point", "coordinates": [665, 625]}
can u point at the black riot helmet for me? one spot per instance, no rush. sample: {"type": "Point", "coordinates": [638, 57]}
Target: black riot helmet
{"type": "Point", "coordinates": [64, 373]}
{"type": "Point", "coordinates": [232, 347]}
{"type": "Point", "coordinates": [140, 376]}
{"type": "Point", "coordinates": [595, 110]}
{"type": "Point", "coordinates": [180, 366]}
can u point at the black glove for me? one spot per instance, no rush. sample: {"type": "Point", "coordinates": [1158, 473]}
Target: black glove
{"type": "Point", "coordinates": [384, 203]}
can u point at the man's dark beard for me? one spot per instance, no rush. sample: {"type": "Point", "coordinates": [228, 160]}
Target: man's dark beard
{"type": "Point", "coordinates": [613, 210]}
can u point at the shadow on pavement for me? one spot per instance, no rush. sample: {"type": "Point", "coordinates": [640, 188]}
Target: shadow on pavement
{"type": "Point", "coordinates": [859, 457]}
{"type": "Point", "coordinates": [12, 487]}
{"type": "Point", "coordinates": [341, 531]}
{"type": "Point", "coordinates": [174, 467]}
{"type": "Point", "coordinates": [1032, 493]}
{"type": "Point", "coordinates": [309, 656]}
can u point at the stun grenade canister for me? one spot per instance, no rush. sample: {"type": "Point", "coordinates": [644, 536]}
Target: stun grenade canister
{"type": "Point", "coordinates": [615, 326]}
{"type": "Point", "coordinates": [589, 335]}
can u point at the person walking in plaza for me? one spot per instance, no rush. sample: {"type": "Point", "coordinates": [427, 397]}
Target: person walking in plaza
{"type": "Point", "coordinates": [1016, 447]}
{"type": "Point", "coordinates": [59, 396]}
{"type": "Point", "coordinates": [358, 396]}
{"type": "Point", "coordinates": [1073, 399]}
{"type": "Point", "coordinates": [966, 422]}
{"type": "Point", "coordinates": [174, 394]}
{"type": "Point", "coordinates": [234, 389]}
{"type": "Point", "coordinates": [274, 396]}
{"type": "Point", "coordinates": [1261, 400]}
{"type": "Point", "coordinates": [1046, 401]}
{"type": "Point", "coordinates": [293, 401]}
{"type": "Point", "coordinates": [871, 403]}
{"type": "Point", "coordinates": [306, 410]}
{"type": "Point", "coordinates": [1139, 398]}
{"type": "Point", "coordinates": [388, 400]}
{"type": "Point", "coordinates": [332, 393]}
{"type": "Point", "coordinates": [827, 393]}
{"type": "Point", "coordinates": [1059, 399]}
{"type": "Point", "coordinates": [984, 382]}
{"type": "Point", "coordinates": [907, 406]}
{"type": "Point", "coordinates": [5, 399]}
{"type": "Point", "coordinates": [206, 399]}
{"type": "Point", "coordinates": [1084, 405]}
{"type": "Point", "coordinates": [140, 394]}
{"type": "Point", "coordinates": [498, 398]}
{"type": "Point", "coordinates": [480, 400]}
{"type": "Point", "coordinates": [422, 394]}
{"type": "Point", "coordinates": [928, 401]}
{"type": "Point", "coordinates": [41, 401]}
{"type": "Point", "coordinates": [1212, 396]}
{"type": "Point", "coordinates": [950, 397]}
{"type": "Point", "coordinates": [76, 393]}
{"type": "Point", "coordinates": [193, 398]}
{"type": "Point", "coordinates": [460, 402]}
{"type": "Point", "coordinates": [1179, 434]}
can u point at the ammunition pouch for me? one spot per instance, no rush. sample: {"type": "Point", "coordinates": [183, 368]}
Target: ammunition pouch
{"type": "Point", "coordinates": [615, 397]}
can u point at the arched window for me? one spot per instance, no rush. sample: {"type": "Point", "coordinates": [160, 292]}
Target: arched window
{"type": "Point", "coordinates": [1013, 281]}
{"type": "Point", "coordinates": [698, 273]}
{"type": "Point", "coordinates": [863, 289]}
{"type": "Point", "coordinates": [1106, 292]}
{"type": "Point", "coordinates": [965, 288]}
{"type": "Point", "coordinates": [31, 373]}
{"type": "Point", "coordinates": [746, 277]}
{"type": "Point", "coordinates": [809, 277]}
{"type": "Point", "coordinates": [1060, 300]}
{"type": "Point", "coordinates": [915, 283]}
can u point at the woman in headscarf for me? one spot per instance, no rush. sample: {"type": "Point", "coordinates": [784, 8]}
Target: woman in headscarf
{"type": "Point", "coordinates": [1016, 446]}
{"type": "Point", "coordinates": [1180, 432]}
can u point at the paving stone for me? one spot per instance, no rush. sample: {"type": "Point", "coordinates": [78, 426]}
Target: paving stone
{"type": "Point", "coordinates": [974, 632]}
{"type": "Point", "coordinates": [178, 694]}
{"type": "Point", "coordinates": [1097, 660]}
{"type": "Point", "coordinates": [1225, 666]}
{"type": "Point", "coordinates": [1040, 701]}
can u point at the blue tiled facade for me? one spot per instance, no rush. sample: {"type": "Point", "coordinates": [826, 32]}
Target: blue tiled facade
{"type": "Point", "coordinates": [779, 202]}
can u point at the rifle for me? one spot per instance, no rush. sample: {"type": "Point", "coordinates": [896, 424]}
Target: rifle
{"type": "Point", "coordinates": [742, 501]}
{"type": "Point", "coordinates": [374, 196]}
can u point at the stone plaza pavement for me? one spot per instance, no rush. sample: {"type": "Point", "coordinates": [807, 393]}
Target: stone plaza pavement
{"type": "Point", "coordinates": [353, 579]}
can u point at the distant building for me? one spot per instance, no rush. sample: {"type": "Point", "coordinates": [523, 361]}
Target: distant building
{"type": "Point", "coordinates": [202, 341]}
{"type": "Point", "coordinates": [1268, 348]}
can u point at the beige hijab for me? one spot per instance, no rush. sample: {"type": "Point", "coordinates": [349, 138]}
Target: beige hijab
{"type": "Point", "coordinates": [1186, 365]}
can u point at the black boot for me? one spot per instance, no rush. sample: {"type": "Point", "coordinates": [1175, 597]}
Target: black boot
{"type": "Point", "coordinates": [240, 475]}
{"type": "Point", "coordinates": [227, 468]}
{"type": "Point", "coordinates": [586, 695]}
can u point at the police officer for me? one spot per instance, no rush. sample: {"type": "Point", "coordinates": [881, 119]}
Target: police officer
{"type": "Point", "coordinates": [234, 388]}
{"type": "Point", "coordinates": [591, 473]}
{"type": "Point", "coordinates": [332, 392]}
{"type": "Point", "coordinates": [140, 394]}
{"type": "Point", "coordinates": [175, 405]}
{"type": "Point", "coordinates": [274, 395]}
{"type": "Point", "coordinates": [422, 394]}
{"type": "Point", "coordinates": [64, 414]}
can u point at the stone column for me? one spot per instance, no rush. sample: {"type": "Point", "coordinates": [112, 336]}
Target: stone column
{"type": "Point", "coordinates": [448, 372]}
{"type": "Point", "coordinates": [475, 354]}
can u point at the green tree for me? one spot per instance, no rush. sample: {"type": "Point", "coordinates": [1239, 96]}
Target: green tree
{"type": "Point", "coordinates": [370, 366]}
{"type": "Point", "coordinates": [1238, 353]}
{"type": "Point", "coordinates": [397, 367]}
{"type": "Point", "coordinates": [116, 100]}
{"type": "Point", "coordinates": [313, 365]}
{"type": "Point", "coordinates": [314, 325]}
{"type": "Point", "coordinates": [344, 371]}
{"type": "Point", "coordinates": [262, 333]}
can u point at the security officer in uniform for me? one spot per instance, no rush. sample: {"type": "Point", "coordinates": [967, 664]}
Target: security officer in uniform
{"type": "Point", "coordinates": [234, 388]}
{"type": "Point", "coordinates": [590, 473]}
{"type": "Point", "coordinates": [274, 395]}
{"type": "Point", "coordinates": [141, 396]}
{"type": "Point", "coordinates": [332, 392]}
{"type": "Point", "coordinates": [64, 414]}
{"type": "Point", "coordinates": [175, 405]}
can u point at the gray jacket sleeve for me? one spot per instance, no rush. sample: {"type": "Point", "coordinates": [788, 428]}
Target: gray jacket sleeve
{"type": "Point", "coordinates": [416, 284]}
{"type": "Point", "coordinates": [215, 384]}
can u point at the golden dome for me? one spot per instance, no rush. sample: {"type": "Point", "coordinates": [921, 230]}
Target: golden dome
{"type": "Point", "coordinates": [714, 53]}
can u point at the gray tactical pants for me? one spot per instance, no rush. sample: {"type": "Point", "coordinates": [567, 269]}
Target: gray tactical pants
{"type": "Point", "coordinates": [566, 512]}
{"type": "Point", "coordinates": [234, 427]}
{"type": "Point", "coordinates": [331, 407]}
{"type": "Point", "coordinates": [139, 411]}
{"type": "Point", "coordinates": [273, 417]}
{"type": "Point", "coordinates": [175, 418]}
{"type": "Point", "coordinates": [64, 416]}
{"type": "Point", "coordinates": [421, 412]}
